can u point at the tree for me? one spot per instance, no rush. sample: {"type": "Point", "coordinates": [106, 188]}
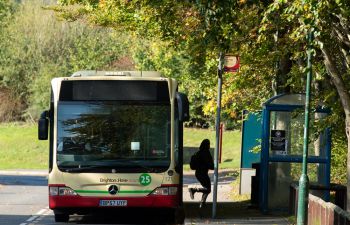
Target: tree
{"type": "Point", "coordinates": [190, 32]}
{"type": "Point", "coordinates": [331, 24]}
{"type": "Point", "coordinates": [36, 47]}
{"type": "Point", "coordinates": [203, 28]}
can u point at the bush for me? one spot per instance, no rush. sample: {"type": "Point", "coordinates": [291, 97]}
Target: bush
{"type": "Point", "coordinates": [36, 47]}
{"type": "Point", "coordinates": [339, 157]}
{"type": "Point", "coordinates": [10, 106]}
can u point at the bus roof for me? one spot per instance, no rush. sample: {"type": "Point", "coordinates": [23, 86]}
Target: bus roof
{"type": "Point", "coordinates": [88, 73]}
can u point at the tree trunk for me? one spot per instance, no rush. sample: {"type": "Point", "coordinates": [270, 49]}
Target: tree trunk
{"type": "Point", "coordinates": [347, 121]}
{"type": "Point", "coordinates": [345, 101]}
{"type": "Point", "coordinates": [282, 74]}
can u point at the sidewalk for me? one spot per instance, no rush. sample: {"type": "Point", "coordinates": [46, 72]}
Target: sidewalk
{"type": "Point", "coordinates": [224, 186]}
{"type": "Point", "coordinates": [230, 213]}
{"type": "Point", "coordinates": [227, 210]}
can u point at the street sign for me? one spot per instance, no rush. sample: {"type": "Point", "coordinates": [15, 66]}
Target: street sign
{"type": "Point", "coordinates": [231, 63]}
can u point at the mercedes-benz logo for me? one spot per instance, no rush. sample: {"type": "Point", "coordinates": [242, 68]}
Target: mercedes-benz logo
{"type": "Point", "coordinates": [113, 189]}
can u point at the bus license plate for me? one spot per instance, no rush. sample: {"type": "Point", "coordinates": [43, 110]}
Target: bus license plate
{"type": "Point", "coordinates": [113, 202]}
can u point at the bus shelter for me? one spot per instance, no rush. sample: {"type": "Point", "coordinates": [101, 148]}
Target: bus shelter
{"type": "Point", "coordinates": [282, 147]}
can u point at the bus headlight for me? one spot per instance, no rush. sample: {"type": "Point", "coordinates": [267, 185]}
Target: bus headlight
{"type": "Point", "coordinates": [165, 191]}
{"type": "Point", "coordinates": [172, 190]}
{"type": "Point", "coordinates": [53, 191]}
{"type": "Point", "coordinates": [66, 191]}
{"type": "Point", "coordinates": [61, 191]}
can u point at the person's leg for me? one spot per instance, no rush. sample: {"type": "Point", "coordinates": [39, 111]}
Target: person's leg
{"type": "Point", "coordinates": [192, 192]}
{"type": "Point", "coordinates": [200, 177]}
{"type": "Point", "coordinates": [205, 182]}
{"type": "Point", "coordinates": [203, 200]}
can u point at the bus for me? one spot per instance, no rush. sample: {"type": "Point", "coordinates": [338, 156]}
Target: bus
{"type": "Point", "coordinates": [115, 142]}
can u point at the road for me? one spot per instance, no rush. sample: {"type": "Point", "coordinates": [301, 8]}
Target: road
{"type": "Point", "coordinates": [21, 197]}
{"type": "Point", "coordinates": [24, 201]}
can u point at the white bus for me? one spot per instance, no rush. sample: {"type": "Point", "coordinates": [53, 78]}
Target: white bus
{"type": "Point", "coordinates": [115, 142]}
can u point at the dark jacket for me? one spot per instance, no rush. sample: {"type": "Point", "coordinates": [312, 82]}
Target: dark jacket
{"type": "Point", "coordinates": [205, 161]}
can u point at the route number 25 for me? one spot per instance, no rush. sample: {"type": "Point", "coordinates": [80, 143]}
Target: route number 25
{"type": "Point", "coordinates": [145, 179]}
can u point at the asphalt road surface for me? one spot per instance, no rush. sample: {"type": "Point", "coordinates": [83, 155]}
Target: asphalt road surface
{"type": "Point", "coordinates": [21, 197]}
{"type": "Point", "coordinates": [24, 201]}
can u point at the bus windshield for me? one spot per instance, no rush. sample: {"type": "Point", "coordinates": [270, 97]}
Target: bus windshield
{"type": "Point", "coordinates": [102, 135]}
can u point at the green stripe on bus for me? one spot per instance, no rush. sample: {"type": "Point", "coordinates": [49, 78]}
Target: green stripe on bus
{"type": "Point", "coordinates": [146, 191]}
{"type": "Point", "coordinates": [89, 191]}
{"type": "Point", "coordinates": [119, 192]}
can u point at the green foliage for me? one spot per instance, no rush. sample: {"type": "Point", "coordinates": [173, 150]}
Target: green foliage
{"type": "Point", "coordinates": [37, 47]}
{"type": "Point", "coordinates": [182, 39]}
{"type": "Point", "coordinates": [184, 36]}
{"type": "Point", "coordinates": [264, 33]}
{"type": "Point", "coordinates": [339, 152]}
{"type": "Point", "coordinates": [6, 9]}
{"type": "Point", "coordinates": [329, 22]}
{"type": "Point", "coordinates": [256, 149]}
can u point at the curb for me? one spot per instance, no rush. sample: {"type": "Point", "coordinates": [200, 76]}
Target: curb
{"type": "Point", "coordinates": [42, 173]}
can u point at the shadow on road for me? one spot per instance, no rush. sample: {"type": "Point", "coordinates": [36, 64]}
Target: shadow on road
{"type": "Point", "coordinates": [12, 219]}
{"type": "Point", "coordinates": [228, 211]}
{"type": "Point", "coordinates": [136, 216]}
{"type": "Point", "coordinates": [225, 177]}
{"type": "Point", "coordinates": [225, 210]}
{"type": "Point", "coordinates": [23, 180]}
{"type": "Point", "coordinates": [95, 219]}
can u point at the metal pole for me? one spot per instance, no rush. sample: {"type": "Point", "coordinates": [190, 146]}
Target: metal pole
{"type": "Point", "coordinates": [217, 125]}
{"type": "Point", "coordinates": [220, 146]}
{"type": "Point", "coordinates": [303, 196]}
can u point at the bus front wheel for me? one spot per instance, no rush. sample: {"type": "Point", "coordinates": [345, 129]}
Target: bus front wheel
{"type": "Point", "coordinates": [59, 217]}
{"type": "Point", "coordinates": [179, 216]}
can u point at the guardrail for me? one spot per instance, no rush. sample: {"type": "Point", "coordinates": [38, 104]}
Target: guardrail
{"type": "Point", "coordinates": [319, 211]}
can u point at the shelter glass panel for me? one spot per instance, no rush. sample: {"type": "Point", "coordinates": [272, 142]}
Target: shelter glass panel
{"type": "Point", "coordinates": [292, 99]}
{"type": "Point", "coordinates": [283, 174]}
{"type": "Point", "coordinates": [287, 134]}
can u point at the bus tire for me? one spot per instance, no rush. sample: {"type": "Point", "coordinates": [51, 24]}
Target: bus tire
{"type": "Point", "coordinates": [179, 216]}
{"type": "Point", "coordinates": [59, 217]}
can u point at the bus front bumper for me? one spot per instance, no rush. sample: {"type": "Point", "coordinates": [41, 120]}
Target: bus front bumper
{"type": "Point", "coordinates": [77, 201]}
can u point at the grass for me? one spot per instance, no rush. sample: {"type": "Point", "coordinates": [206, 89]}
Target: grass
{"type": "Point", "coordinates": [21, 149]}
{"type": "Point", "coordinates": [231, 145]}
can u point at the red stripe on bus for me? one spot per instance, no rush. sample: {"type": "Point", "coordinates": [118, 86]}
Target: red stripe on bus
{"type": "Point", "coordinates": [57, 185]}
{"type": "Point", "coordinates": [156, 201]}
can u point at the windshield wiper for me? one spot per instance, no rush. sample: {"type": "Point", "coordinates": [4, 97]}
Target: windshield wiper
{"type": "Point", "coordinates": [83, 168]}
{"type": "Point", "coordinates": [114, 165]}
{"type": "Point", "coordinates": [133, 163]}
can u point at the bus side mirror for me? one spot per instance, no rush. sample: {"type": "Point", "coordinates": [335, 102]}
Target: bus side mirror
{"type": "Point", "coordinates": [183, 107]}
{"type": "Point", "coordinates": [43, 126]}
